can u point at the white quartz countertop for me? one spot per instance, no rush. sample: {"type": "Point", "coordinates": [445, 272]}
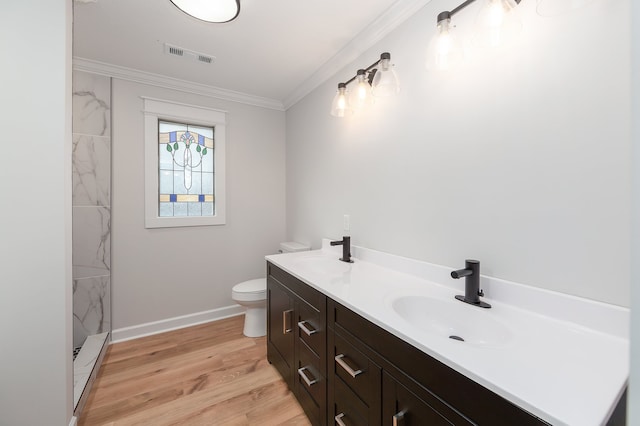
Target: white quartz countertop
{"type": "Point", "coordinates": [560, 357]}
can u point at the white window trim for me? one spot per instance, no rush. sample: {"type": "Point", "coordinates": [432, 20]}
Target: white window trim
{"type": "Point", "coordinates": [157, 109]}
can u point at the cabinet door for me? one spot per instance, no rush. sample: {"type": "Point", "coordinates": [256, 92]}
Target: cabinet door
{"type": "Point", "coordinates": [400, 407]}
{"type": "Point", "coordinates": [280, 329]}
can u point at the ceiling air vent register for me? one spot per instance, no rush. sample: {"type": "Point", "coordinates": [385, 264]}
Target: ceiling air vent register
{"type": "Point", "coordinates": [172, 50]}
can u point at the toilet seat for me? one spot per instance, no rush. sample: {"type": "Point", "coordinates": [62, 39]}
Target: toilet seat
{"type": "Point", "coordinates": [250, 291]}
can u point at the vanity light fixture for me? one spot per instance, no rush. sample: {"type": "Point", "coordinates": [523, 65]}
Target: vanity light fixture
{"type": "Point", "coordinates": [496, 22]}
{"type": "Point", "coordinates": [216, 11]}
{"type": "Point", "coordinates": [444, 52]}
{"type": "Point", "coordinates": [378, 80]}
{"type": "Point", "coordinates": [340, 104]}
{"type": "Point", "coordinates": [385, 81]}
{"type": "Point", "coordinates": [362, 95]}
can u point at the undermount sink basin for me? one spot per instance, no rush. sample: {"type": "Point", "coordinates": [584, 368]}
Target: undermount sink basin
{"type": "Point", "coordinates": [452, 319]}
{"type": "Point", "coordinates": [324, 265]}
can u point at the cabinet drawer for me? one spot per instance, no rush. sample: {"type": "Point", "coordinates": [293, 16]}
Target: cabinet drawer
{"type": "Point", "coordinates": [348, 408]}
{"type": "Point", "coordinates": [311, 409]}
{"type": "Point", "coordinates": [310, 379]}
{"type": "Point", "coordinates": [310, 328]}
{"type": "Point", "coordinates": [356, 370]}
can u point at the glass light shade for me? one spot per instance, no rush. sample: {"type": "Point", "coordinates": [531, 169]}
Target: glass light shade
{"type": "Point", "coordinates": [385, 81]}
{"type": "Point", "coordinates": [361, 95]}
{"type": "Point", "coordinates": [497, 23]}
{"type": "Point", "coordinates": [340, 104]}
{"type": "Point", "coordinates": [444, 52]}
{"type": "Point", "coordinates": [558, 7]}
{"type": "Point", "coordinates": [210, 10]}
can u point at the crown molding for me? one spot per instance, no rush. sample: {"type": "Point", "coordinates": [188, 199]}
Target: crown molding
{"type": "Point", "coordinates": [395, 15]}
{"type": "Point", "coordinates": [124, 73]}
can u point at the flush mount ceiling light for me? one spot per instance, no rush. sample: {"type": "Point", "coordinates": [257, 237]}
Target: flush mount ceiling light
{"type": "Point", "coordinates": [378, 80]}
{"type": "Point", "coordinates": [217, 11]}
{"type": "Point", "coordinates": [495, 24]}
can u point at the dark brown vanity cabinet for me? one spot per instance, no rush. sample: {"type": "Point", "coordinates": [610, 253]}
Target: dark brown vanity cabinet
{"type": "Point", "coordinates": [297, 340]}
{"type": "Point", "coordinates": [414, 388]}
{"type": "Point", "coordinates": [345, 370]}
{"type": "Point", "coordinates": [385, 393]}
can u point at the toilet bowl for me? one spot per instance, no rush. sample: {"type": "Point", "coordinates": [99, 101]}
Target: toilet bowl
{"type": "Point", "coordinates": [252, 295]}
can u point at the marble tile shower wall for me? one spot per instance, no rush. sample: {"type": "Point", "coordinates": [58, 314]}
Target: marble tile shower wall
{"type": "Point", "coordinates": [91, 205]}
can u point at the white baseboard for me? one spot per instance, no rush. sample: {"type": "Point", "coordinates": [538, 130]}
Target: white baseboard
{"type": "Point", "coordinates": [74, 421]}
{"type": "Point", "coordinates": [169, 324]}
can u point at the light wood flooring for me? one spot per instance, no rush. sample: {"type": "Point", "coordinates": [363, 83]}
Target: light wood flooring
{"type": "Point", "coordinates": [209, 374]}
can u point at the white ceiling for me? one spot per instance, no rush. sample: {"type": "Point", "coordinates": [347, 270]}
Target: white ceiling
{"type": "Point", "coordinates": [272, 50]}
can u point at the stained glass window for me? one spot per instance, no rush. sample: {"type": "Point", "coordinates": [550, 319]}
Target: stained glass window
{"type": "Point", "coordinates": [186, 170]}
{"type": "Point", "coordinates": [184, 165]}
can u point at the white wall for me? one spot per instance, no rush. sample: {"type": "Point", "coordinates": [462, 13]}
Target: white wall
{"type": "Point", "coordinates": [634, 380]}
{"type": "Point", "coordinates": [163, 273]}
{"type": "Point", "coordinates": [519, 159]}
{"type": "Point", "coordinates": [35, 227]}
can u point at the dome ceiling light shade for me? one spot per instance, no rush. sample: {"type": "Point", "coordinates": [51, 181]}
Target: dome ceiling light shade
{"type": "Point", "coordinates": [217, 11]}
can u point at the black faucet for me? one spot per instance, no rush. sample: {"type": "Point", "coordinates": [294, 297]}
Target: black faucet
{"type": "Point", "coordinates": [472, 291]}
{"type": "Point", "coordinates": [346, 248]}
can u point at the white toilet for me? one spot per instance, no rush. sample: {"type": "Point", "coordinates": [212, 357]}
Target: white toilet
{"type": "Point", "coordinates": [252, 295]}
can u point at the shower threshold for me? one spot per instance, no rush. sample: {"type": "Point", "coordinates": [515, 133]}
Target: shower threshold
{"type": "Point", "coordinates": [85, 368]}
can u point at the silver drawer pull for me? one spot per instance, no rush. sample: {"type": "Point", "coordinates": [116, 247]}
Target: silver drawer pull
{"type": "Point", "coordinates": [286, 321]}
{"type": "Point", "coordinates": [398, 419]}
{"type": "Point", "coordinates": [339, 421]}
{"type": "Point", "coordinates": [306, 330]}
{"type": "Point", "coordinates": [309, 382]}
{"type": "Point", "coordinates": [353, 373]}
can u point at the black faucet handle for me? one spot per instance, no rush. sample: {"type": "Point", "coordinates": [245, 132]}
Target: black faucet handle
{"type": "Point", "coordinates": [472, 290]}
{"type": "Point", "coordinates": [346, 248]}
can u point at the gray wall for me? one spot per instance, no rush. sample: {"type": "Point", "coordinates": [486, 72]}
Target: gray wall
{"type": "Point", "coordinates": [35, 182]}
{"type": "Point", "coordinates": [164, 273]}
{"type": "Point", "coordinates": [519, 159]}
{"type": "Point", "coordinates": [634, 381]}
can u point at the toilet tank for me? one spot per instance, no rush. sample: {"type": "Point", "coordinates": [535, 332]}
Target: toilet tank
{"type": "Point", "coordinates": [292, 247]}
